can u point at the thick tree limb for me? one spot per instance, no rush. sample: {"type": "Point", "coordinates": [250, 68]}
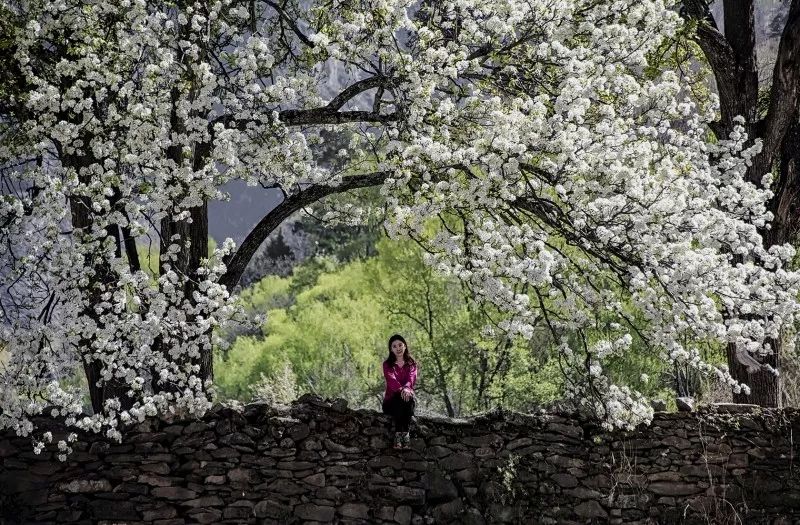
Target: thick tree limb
{"type": "Point", "coordinates": [305, 117]}
{"type": "Point", "coordinates": [315, 116]}
{"type": "Point", "coordinates": [740, 29]}
{"type": "Point", "coordinates": [355, 89]}
{"type": "Point", "coordinates": [330, 113]}
{"type": "Point", "coordinates": [699, 10]}
{"type": "Point", "coordinates": [740, 32]}
{"type": "Point", "coordinates": [784, 206]}
{"type": "Point", "coordinates": [784, 96]}
{"type": "Point", "coordinates": [237, 262]}
{"type": "Point", "coordinates": [732, 58]}
{"type": "Point", "coordinates": [716, 48]}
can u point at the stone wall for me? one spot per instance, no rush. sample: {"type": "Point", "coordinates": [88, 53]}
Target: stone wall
{"type": "Point", "coordinates": [322, 462]}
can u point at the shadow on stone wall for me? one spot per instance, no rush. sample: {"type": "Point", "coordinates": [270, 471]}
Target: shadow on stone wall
{"type": "Point", "coordinates": [320, 462]}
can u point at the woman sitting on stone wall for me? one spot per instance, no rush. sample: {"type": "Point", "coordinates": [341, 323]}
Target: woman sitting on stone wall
{"type": "Point", "coordinates": [400, 371]}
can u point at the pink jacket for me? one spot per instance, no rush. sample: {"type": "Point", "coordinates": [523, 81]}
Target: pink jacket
{"type": "Point", "coordinates": [398, 378]}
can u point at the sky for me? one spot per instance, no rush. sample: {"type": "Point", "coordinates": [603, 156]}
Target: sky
{"type": "Point", "coordinates": [237, 217]}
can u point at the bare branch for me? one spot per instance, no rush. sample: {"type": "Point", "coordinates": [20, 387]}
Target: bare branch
{"type": "Point", "coordinates": [304, 117]}
{"type": "Point", "coordinates": [237, 262]}
{"type": "Point", "coordinates": [357, 88]}
{"type": "Point", "coordinates": [286, 18]}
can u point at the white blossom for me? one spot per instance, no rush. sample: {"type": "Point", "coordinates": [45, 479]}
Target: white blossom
{"type": "Point", "coordinates": [529, 152]}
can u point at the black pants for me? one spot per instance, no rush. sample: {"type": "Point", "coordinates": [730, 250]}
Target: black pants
{"type": "Point", "coordinates": [401, 411]}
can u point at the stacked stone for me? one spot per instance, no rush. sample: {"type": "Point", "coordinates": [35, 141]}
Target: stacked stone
{"type": "Point", "coordinates": [320, 462]}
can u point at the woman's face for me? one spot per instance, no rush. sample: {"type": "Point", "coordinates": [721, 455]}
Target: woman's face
{"type": "Point", "coordinates": [398, 347]}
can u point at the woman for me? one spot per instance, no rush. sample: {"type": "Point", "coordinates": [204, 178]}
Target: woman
{"type": "Point", "coordinates": [400, 371]}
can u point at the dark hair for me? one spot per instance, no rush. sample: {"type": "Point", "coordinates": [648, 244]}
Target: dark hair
{"type": "Point", "coordinates": [406, 356]}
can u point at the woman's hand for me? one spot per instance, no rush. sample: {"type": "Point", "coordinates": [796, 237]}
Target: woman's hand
{"type": "Point", "coordinates": [406, 393]}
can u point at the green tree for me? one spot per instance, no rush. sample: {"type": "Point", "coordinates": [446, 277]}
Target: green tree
{"type": "Point", "coordinates": [461, 370]}
{"type": "Point", "coordinates": [329, 324]}
{"type": "Point", "coordinates": [331, 334]}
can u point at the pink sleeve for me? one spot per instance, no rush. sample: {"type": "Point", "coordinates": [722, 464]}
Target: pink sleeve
{"type": "Point", "coordinates": [392, 384]}
{"type": "Point", "coordinates": [412, 377]}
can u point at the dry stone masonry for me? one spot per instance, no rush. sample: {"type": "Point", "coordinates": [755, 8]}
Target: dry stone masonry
{"type": "Point", "coordinates": [320, 462]}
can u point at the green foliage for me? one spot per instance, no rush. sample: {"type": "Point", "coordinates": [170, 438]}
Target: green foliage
{"type": "Point", "coordinates": [307, 275]}
{"type": "Point", "coordinates": [329, 323]}
{"type": "Point", "coordinates": [331, 335]}
{"type": "Point", "coordinates": [269, 293]}
{"type": "Point", "coordinates": [149, 253]}
{"type": "Point", "coordinates": [343, 242]}
{"type": "Point", "coordinates": [462, 372]}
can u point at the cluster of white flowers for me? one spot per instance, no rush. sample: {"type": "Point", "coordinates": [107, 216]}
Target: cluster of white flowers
{"type": "Point", "coordinates": [142, 118]}
{"type": "Point", "coordinates": [571, 188]}
{"type": "Point", "coordinates": [523, 144]}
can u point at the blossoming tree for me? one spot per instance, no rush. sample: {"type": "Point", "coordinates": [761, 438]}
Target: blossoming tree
{"type": "Point", "coordinates": [522, 143]}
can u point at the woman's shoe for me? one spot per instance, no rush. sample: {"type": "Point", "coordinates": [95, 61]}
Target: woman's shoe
{"type": "Point", "coordinates": [406, 440]}
{"type": "Point", "coordinates": [398, 440]}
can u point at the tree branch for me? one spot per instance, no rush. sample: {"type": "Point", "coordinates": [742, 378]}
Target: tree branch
{"type": "Point", "coordinates": [740, 30]}
{"type": "Point", "coordinates": [717, 50]}
{"type": "Point", "coordinates": [357, 88]}
{"type": "Point", "coordinates": [307, 117]}
{"type": "Point", "coordinates": [237, 262]}
{"type": "Point", "coordinates": [724, 62]}
{"type": "Point", "coordinates": [328, 114]}
{"type": "Point", "coordinates": [304, 117]}
{"type": "Point", "coordinates": [131, 250]}
{"type": "Point", "coordinates": [286, 18]}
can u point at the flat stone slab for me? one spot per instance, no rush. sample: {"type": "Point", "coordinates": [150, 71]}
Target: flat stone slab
{"type": "Point", "coordinates": [734, 408]}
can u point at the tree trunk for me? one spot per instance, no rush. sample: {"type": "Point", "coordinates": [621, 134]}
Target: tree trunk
{"type": "Point", "coordinates": [195, 234]}
{"type": "Point", "coordinates": [192, 239]}
{"type": "Point", "coordinates": [765, 386]}
{"type": "Point", "coordinates": [99, 389]}
{"type": "Point", "coordinates": [786, 202]}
